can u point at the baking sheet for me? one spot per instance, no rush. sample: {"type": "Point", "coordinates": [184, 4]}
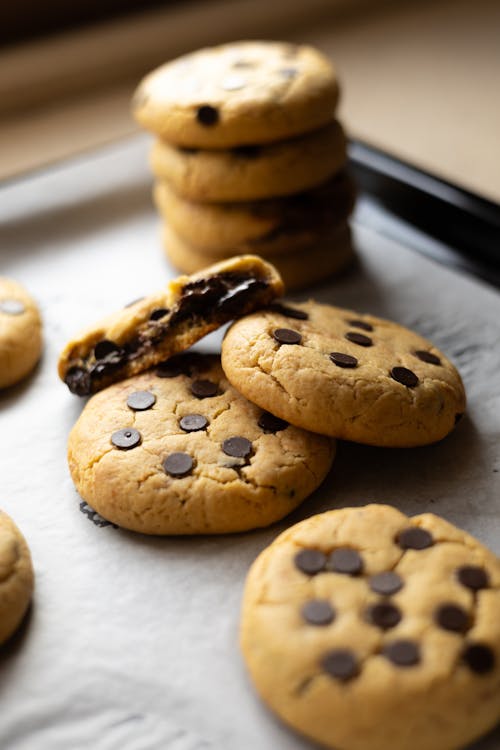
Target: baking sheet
{"type": "Point", "coordinates": [132, 641]}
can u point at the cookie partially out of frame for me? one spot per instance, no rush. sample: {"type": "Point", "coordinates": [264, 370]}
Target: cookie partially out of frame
{"type": "Point", "coordinates": [279, 225]}
{"type": "Point", "coordinates": [312, 257]}
{"type": "Point", "coordinates": [178, 450]}
{"type": "Point", "coordinates": [160, 325]}
{"type": "Point", "coordinates": [20, 332]}
{"type": "Point", "coordinates": [237, 94]}
{"type": "Point", "coordinates": [16, 577]}
{"type": "Point", "coordinates": [365, 629]}
{"type": "Point", "coordinates": [344, 374]}
{"type": "Point", "coordinates": [252, 172]}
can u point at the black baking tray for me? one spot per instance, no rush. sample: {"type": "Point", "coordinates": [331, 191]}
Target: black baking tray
{"type": "Point", "coordinates": [428, 214]}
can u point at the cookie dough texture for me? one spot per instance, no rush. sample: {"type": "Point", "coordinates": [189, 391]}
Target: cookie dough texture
{"type": "Point", "coordinates": [160, 325]}
{"type": "Point", "coordinates": [270, 226]}
{"type": "Point", "coordinates": [252, 173]}
{"type": "Point", "coordinates": [16, 577]}
{"type": "Point", "coordinates": [236, 94]}
{"type": "Point", "coordinates": [252, 481]}
{"type": "Point", "coordinates": [327, 664]}
{"type": "Point", "coordinates": [302, 258]}
{"type": "Point", "coordinates": [351, 376]}
{"type": "Point", "coordinates": [20, 332]}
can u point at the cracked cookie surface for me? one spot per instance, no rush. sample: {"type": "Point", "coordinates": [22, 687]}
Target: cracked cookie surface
{"type": "Point", "coordinates": [179, 451]}
{"type": "Point", "coordinates": [237, 94]}
{"type": "Point", "coordinates": [363, 628]}
{"type": "Point", "coordinates": [252, 172]}
{"type": "Point", "coordinates": [16, 577]}
{"type": "Point", "coordinates": [340, 373]}
{"type": "Point", "coordinates": [20, 332]}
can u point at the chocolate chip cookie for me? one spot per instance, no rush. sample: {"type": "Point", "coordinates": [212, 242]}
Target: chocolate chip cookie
{"type": "Point", "coordinates": [363, 628]}
{"type": "Point", "coordinates": [343, 374]}
{"type": "Point", "coordinates": [302, 258]}
{"type": "Point", "coordinates": [252, 172]}
{"type": "Point", "coordinates": [156, 327]}
{"type": "Point", "coordinates": [238, 94]}
{"type": "Point", "coordinates": [20, 332]}
{"type": "Point", "coordinates": [179, 451]}
{"type": "Point", "coordinates": [16, 577]}
{"type": "Point", "coordinates": [267, 227]}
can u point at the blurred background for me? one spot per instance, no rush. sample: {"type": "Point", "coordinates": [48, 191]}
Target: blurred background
{"type": "Point", "coordinates": [420, 78]}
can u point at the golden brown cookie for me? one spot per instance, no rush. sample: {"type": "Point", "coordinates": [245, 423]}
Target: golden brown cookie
{"type": "Point", "coordinates": [179, 451]}
{"type": "Point", "coordinates": [236, 94]}
{"type": "Point", "coordinates": [343, 374]}
{"type": "Point", "coordinates": [365, 629]}
{"type": "Point", "coordinates": [156, 327]}
{"type": "Point", "coordinates": [252, 172]}
{"type": "Point", "coordinates": [20, 332]}
{"type": "Point", "coordinates": [265, 227]}
{"type": "Point", "coordinates": [312, 257]}
{"type": "Point", "coordinates": [16, 577]}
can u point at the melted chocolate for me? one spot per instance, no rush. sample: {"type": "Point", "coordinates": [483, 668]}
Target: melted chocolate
{"type": "Point", "coordinates": [218, 298]}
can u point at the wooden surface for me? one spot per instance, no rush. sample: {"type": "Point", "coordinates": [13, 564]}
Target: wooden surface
{"type": "Point", "coordinates": [420, 80]}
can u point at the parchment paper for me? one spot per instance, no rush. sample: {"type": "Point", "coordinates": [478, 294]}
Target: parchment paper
{"type": "Point", "coordinates": [132, 641]}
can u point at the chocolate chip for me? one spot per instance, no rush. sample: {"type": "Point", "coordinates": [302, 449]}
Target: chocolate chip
{"type": "Point", "coordinates": [318, 612]}
{"type": "Point", "coordinates": [233, 83]}
{"type": "Point", "coordinates": [386, 583]}
{"type": "Point", "coordinates": [358, 338]}
{"type": "Point", "coordinates": [104, 348]}
{"type": "Point", "coordinates": [452, 617]}
{"type": "Point", "coordinates": [178, 464]}
{"type": "Point", "coordinates": [479, 658]}
{"type": "Point", "coordinates": [289, 312]}
{"type": "Point", "coordinates": [207, 115]}
{"type": "Point", "coordinates": [287, 336]}
{"type": "Point", "coordinates": [402, 653]}
{"type": "Point", "coordinates": [78, 381]}
{"type": "Point", "coordinates": [160, 312]}
{"type": "Point", "coordinates": [360, 324]}
{"type": "Point", "coordinates": [343, 360]}
{"type": "Point", "coordinates": [11, 307]}
{"type": "Point", "coordinates": [310, 561]}
{"type": "Point", "coordinates": [288, 73]}
{"type": "Point", "coordinates": [345, 560]}
{"type": "Point", "coordinates": [269, 423]}
{"type": "Point", "coordinates": [405, 376]}
{"type": "Point", "coordinates": [458, 417]}
{"type": "Point", "coordinates": [193, 422]}
{"type": "Point", "coordinates": [414, 538]}
{"type": "Point", "coordinates": [238, 447]}
{"type": "Point", "coordinates": [141, 400]}
{"type": "Point", "coordinates": [428, 357]}
{"type": "Point", "coordinates": [384, 615]}
{"type": "Point", "coordinates": [473, 577]}
{"type": "Point", "coordinates": [126, 438]}
{"type": "Point", "coordinates": [341, 664]}
{"type": "Point", "coordinates": [204, 388]}
{"type": "Point", "coordinates": [247, 152]}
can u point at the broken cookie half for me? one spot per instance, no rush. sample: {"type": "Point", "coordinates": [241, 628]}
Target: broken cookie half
{"type": "Point", "coordinates": [156, 327]}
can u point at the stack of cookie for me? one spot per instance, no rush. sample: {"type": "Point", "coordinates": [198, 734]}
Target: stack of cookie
{"type": "Point", "coordinates": [249, 158]}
